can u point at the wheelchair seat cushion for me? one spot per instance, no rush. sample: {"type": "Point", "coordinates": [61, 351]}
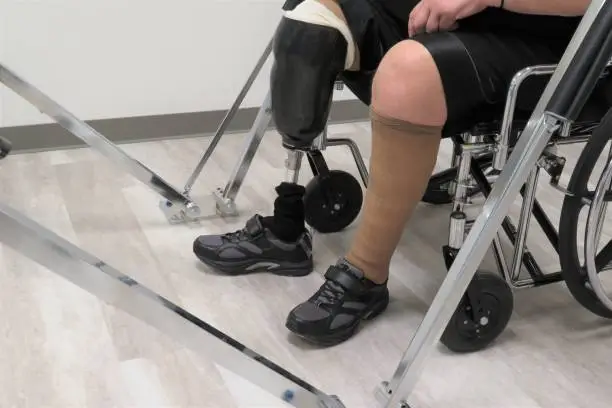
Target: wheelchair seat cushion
{"type": "Point", "coordinates": [489, 116]}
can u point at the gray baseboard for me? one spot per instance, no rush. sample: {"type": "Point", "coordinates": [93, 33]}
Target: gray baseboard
{"type": "Point", "coordinates": [145, 128]}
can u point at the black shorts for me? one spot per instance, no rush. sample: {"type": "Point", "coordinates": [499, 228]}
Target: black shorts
{"type": "Point", "coordinates": [476, 62]}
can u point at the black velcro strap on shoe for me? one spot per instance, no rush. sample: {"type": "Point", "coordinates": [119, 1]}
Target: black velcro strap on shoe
{"type": "Point", "coordinates": [345, 279]}
{"type": "Point", "coordinates": [254, 227]}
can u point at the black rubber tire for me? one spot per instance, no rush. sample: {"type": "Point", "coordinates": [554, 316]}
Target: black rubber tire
{"type": "Point", "coordinates": [461, 335]}
{"type": "Point", "coordinates": [332, 201]}
{"type": "Point", "coordinates": [572, 270]}
{"type": "Point", "coordinates": [437, 188]}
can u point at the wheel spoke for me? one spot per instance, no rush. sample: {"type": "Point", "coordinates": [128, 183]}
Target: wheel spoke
{"type": "Point", "coordinates": [604, 257]}
{"type": "Point", "coordinates": [591, 193]}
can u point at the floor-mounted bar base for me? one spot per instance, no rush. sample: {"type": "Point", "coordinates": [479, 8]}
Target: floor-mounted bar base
{"type": "Point", "coordinates": [108, 284]}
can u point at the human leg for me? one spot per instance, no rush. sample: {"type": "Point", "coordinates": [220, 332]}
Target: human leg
{"type": "Point", "coordinates": [407, 120]}
{"type": "Point", "coordinates": [420, 85]}
{"type": "Point", "coordinates": [312, 47]}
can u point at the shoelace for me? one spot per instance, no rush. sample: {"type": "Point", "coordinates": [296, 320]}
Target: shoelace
{"type": "Point", "coordinates": [236, 235]}
{"type": "Point", "coordinates": [331, 292]}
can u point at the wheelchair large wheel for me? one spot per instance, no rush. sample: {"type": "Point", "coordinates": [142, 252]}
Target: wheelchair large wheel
{"type": "Point", "coordinates": [332, 201]}
{"type": "Point", "coordinates": [438, 188]}
{"type": "Point", "coordinates": [585, 286]}
{"type": "Point", "coordinates": [496, 302]}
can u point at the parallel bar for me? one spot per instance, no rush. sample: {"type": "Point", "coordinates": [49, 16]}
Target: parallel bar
{"type": "Point", "coordinates": [95, 140]}
{"type": "Point", "coordinates": [93, 275]}
{"type": "Point", "coordinates": [529, 148]}
{"type": "Point", "coordinates": [228, 118]}
{"type": "Point", "coordinates": [262, 121]}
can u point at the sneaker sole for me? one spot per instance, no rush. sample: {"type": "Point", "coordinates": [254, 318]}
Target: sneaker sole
{"type": "Point", "coordinates": [238, 269]}
{"type": "Point", "coordinates": [342, 335]}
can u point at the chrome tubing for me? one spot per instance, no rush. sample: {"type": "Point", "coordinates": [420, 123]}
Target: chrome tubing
{"type": "Point", "coordinates": [503, 146]}
{"type": "Point", "coordinates": [524, 221]}
{"type": "Point", "coordinates": [357, 156]}
{"type": "Point", "coordinates": [228, 118]}
{"type": "Point", "coordinates": [226, 197]}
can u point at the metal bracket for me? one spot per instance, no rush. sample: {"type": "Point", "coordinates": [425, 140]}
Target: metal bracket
{"type": "Point", "coordinates": [382, 393]}
{"type": "Point", "coordinates": [180, 215]}
{"type": "Point", "coordinates": [225, 206]}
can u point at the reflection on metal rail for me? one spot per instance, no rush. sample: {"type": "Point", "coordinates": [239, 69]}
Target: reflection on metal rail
{"type": "Point", "coordinates": [570, 85]}
{"type": "Point", "coordinates": [177, 202]}
{"type": "Point", "coordinates": [108, 284]}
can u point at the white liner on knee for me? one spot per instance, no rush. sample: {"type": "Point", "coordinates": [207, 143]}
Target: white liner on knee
{"type": "Point", "coordinates": [313, 12]}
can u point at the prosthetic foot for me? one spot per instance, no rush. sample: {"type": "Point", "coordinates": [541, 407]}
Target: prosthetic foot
{"type": "Point", "coordinates": [312, 46]}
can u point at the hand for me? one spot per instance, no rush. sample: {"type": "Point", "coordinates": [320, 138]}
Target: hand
{"type": "Point", "coordinates": [430, 16]}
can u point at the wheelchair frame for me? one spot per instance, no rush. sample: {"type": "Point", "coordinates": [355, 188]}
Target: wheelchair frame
{"type": "Point", "coordinates": [572, 82]}
{"type": "Point", "coordinates": [473, 144]}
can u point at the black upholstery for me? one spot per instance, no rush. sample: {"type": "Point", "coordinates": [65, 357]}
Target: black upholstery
{"type": "Point", "coordinates": [489, 118]}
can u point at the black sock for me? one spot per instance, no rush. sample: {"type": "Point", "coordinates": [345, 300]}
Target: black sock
{"type": "Point", "coordinates": [288, 223]}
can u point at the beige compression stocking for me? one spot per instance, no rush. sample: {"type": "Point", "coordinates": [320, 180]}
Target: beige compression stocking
{"type": "Point", "coordinates": [402, 160]}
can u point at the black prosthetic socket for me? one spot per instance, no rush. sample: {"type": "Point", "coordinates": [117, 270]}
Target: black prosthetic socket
{"type": "Point", "coordinates": [288, 223]}
{"type": "Point", "coordinates": [308, 60]}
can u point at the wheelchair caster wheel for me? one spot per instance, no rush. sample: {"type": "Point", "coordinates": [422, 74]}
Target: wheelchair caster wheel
{"type": "Point", "coordinates": [492, 295]}
{"type": "Point", "coordinates": [437, 192]}
{"type": "Point", "coordinates": [332, 201]}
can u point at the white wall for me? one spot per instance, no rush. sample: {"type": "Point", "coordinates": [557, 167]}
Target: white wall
{"type": "Point", "coordinates": [119, 58]}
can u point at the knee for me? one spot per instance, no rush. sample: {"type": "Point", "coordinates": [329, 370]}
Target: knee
{"type": "Point", "coordinates": [407, 86]}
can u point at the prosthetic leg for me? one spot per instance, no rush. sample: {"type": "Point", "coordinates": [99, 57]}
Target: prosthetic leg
{"type": "Point", "coordinates": [308, 59]}
{"type": "Point", "coordinates": [312, 46]}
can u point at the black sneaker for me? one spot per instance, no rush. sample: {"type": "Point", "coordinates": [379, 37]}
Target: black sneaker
{"type": "Point", "coordinates": [333, 314]}
{"type": "Point", "coordinates": [255, 249]}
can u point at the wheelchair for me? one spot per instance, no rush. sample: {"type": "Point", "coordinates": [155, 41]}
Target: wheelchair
{"type": "Point", "coordinates": [481, 145]}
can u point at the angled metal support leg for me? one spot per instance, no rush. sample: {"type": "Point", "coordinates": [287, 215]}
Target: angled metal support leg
{"type": "Point", "coordinates": [225, 197]}
{"type": "Point", "coordinates": [108, 284]}
{"type": "Point", "coordinates": [180, 203]}
{"type": "Point", "coordinates": [572, 83]}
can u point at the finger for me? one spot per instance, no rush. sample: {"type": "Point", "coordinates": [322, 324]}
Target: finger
{"type": "Point", "coordinates": [419, 20]}
{"type": "Point", "coordinates": [447, 24]}
{"type": "Point", "coordinates": [415, 11]}
{"type": "Point", "coordinates": [433, 23]}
